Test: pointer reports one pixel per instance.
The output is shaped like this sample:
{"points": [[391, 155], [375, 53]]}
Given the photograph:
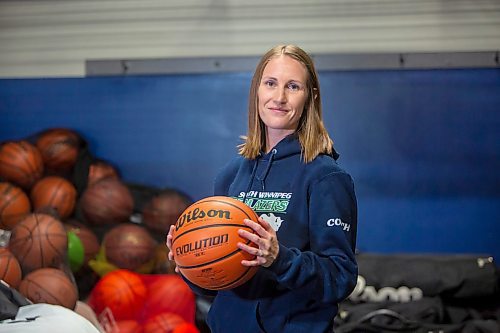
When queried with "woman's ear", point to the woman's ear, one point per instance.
{"points": [[315, 93]]}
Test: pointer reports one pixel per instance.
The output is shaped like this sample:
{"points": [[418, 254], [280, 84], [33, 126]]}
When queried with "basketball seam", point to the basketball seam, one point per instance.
{"points": [[15, 168], [8, 189], [28, 149], [229, 203], [213, 261]]}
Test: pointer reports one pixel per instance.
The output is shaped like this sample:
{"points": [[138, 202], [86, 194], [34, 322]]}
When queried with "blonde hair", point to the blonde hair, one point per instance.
{"points": [[311, 131]]}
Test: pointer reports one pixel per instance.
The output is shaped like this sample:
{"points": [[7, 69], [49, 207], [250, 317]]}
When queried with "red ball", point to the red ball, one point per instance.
{"points": [[169, 293], [39, 240], [186, 328], [164, 209], [10, 270], [14, 205], [56, 193], [125, 326], [106, 202], [205, 239], [122, 291], [164, 322], [20, 163], [129, 246], [49, 285], [59, 148]]}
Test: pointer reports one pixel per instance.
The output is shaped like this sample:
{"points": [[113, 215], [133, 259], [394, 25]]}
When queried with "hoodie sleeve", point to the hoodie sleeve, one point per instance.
{"points": [[328, 270]]}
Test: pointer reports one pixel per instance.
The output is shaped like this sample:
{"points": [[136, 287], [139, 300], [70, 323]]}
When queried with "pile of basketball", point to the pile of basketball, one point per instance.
{"points": [[35, 197], [58, 229]]}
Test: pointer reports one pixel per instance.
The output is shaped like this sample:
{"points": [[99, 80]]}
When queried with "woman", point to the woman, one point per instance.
{"points": [[306, 232]]}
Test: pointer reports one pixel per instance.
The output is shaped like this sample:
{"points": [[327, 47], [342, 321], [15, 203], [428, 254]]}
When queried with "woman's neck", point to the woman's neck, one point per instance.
{"points": [[274, 137]]}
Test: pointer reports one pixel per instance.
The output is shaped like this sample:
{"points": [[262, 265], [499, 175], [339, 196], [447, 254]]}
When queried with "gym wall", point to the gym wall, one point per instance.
{"points": [[423, 146]]}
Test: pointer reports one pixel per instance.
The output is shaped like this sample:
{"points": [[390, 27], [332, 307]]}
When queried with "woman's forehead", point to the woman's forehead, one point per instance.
{"points": [[285, 66]]}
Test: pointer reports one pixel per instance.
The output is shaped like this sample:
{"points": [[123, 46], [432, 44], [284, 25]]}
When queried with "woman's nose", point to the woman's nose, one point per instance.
{"points": [[280, 95]]}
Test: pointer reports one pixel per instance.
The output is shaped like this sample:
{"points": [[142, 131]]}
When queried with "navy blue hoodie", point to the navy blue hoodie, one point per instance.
{"points": [[313, 208]]}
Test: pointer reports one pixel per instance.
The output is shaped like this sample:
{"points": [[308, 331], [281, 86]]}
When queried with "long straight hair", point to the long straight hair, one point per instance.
{"points": [[312, 134]]}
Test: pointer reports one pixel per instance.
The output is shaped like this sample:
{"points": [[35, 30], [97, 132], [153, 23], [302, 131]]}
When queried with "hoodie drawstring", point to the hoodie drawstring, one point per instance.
{"points": [[254, 170], [262, 177]]}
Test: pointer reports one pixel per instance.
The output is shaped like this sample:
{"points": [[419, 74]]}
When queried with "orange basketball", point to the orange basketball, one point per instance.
{"points": [[10, 270], [106, 202], [14, 205], [37, 241], [56, 193], [59, 148], [205, 240], [164, 322], [129, 246], [49, 285], [20, 163], [122, 291]]}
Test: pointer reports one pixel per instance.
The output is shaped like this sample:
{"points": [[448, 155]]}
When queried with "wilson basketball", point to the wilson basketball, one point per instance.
{"points": [[10, 270], [14, 205], [20, 163], [205, 240], [169, 293], [164, 209], [37, 241], [162, 323], [49, 285], [90, 242], [106, 202], [59, 148], [129, 246], [122, 291], [56, 193], [99, 170]]}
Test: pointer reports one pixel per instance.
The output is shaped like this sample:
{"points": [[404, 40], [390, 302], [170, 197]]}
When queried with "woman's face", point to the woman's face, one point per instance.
{"points": [[282, 95]]}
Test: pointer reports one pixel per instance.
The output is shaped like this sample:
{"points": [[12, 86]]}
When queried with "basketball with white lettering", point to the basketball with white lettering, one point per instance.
{"points": [[205, 241]]}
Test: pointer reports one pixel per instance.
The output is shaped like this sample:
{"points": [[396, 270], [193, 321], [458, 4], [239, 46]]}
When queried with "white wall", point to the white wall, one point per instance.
{"points": [[48, 38]]}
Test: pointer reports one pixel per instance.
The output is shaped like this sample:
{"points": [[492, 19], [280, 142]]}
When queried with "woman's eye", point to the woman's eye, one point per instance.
{"points": [[270, 83], [293, 86]]}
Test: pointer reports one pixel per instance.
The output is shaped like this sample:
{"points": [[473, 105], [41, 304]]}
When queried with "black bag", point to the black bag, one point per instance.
{"points": [[423, 316], [449, 276]]}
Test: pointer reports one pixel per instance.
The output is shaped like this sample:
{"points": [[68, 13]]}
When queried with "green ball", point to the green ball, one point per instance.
{"points": [[76, 252]]}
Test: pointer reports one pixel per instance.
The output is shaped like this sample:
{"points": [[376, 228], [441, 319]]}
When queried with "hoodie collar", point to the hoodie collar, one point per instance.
{"points": [[288, 146]]}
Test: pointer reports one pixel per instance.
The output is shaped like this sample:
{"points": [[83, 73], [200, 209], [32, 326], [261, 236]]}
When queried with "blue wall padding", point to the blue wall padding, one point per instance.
{"points": [[422, 146]]}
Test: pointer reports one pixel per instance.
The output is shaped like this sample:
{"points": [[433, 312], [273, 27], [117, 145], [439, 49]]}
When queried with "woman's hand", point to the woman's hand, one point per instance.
{"points": [[169, 245], [266, 240]]}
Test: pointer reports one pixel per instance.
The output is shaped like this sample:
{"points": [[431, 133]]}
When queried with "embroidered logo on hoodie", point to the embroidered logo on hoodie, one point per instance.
{"points": [[274, 221]]}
